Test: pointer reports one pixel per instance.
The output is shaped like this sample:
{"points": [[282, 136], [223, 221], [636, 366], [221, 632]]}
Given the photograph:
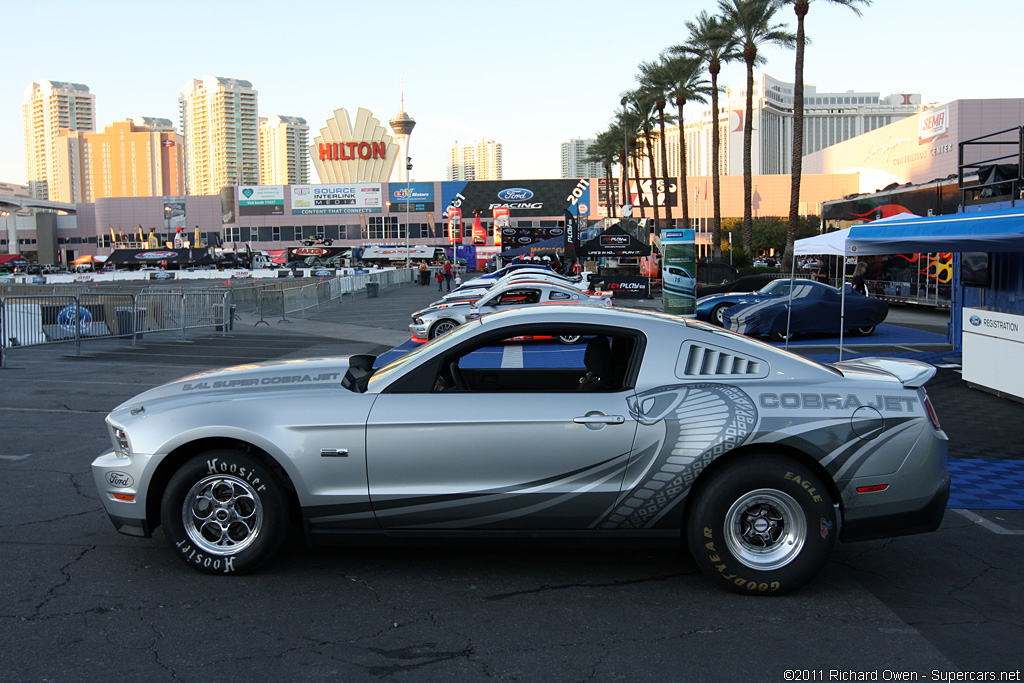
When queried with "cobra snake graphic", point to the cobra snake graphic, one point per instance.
{"points": [[700, 422]]}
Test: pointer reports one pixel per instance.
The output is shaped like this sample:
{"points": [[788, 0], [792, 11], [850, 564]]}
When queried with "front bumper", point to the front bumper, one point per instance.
{"points": [[122, 483], [419, 333]]}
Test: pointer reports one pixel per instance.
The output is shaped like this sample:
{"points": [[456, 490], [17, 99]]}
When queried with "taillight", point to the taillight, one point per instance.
{"points": [[933, 417]]}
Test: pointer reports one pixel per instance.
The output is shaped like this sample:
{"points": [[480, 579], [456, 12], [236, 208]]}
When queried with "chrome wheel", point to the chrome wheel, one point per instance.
{"points": [[717, 316], [443, 327], [222, 514], [765, 529]]}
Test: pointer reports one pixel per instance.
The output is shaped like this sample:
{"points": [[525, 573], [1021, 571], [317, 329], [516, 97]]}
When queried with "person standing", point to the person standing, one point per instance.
{"points": [[424, 273], [448, 275], [440, 279], [857, 282]]}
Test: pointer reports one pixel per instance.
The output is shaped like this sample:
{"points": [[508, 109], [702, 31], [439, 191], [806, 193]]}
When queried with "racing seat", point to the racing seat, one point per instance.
{"points": [[598, 361]]}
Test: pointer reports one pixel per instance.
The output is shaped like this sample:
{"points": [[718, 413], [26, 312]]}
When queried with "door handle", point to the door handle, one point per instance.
{"points": [[599, 419]]}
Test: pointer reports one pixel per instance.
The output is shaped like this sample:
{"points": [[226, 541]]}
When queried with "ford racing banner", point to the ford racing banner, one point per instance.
{"points": [[523, 198]]}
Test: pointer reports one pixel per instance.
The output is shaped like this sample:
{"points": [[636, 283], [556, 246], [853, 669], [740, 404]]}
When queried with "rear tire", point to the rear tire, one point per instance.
{"points": [[569, 338], [765, 525], [864, 331], [780, 336], [224, 512]]}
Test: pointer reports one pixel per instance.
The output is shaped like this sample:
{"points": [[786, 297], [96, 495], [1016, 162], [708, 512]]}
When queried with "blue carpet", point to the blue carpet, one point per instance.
{"points": [[884, 334], [986, 484]]}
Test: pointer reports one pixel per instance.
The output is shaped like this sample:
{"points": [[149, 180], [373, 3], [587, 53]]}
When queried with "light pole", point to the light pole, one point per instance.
{"points": [[167, 222], [408, 200]]}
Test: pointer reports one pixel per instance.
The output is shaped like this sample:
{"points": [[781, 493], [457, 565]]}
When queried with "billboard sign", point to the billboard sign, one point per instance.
{"points": [[411, 197], [261, 200], [523, 198], [337, 198]]}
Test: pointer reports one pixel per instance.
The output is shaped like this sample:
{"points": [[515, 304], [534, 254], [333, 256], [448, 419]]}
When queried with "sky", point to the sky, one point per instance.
{"points": [[529, 74]]}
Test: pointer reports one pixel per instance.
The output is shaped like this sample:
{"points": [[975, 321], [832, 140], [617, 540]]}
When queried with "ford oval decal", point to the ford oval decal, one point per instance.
{"points": [[975, 320], [515, 194], [120, 479]]}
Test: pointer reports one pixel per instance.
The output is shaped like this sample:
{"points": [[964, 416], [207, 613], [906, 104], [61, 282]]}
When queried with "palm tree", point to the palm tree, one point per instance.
{"points": [[659, 80], [710, 42], [607, 146], [641, 103], [752, 23], [627, 123], [687, 86], [800, 8]]}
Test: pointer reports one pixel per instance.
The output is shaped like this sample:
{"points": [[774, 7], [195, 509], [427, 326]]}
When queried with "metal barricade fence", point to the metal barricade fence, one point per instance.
{"points": [[35, 320]]}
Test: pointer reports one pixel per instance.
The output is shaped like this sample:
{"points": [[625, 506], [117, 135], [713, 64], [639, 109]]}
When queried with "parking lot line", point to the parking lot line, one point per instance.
{"points": [[989, 524]]}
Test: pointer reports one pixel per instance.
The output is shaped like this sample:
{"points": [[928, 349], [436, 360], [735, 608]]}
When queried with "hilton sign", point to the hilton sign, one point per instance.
{"points": [[360, 153]]}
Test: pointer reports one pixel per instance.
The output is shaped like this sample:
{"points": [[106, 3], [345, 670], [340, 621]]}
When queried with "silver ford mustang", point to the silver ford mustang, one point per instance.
{"points": [[656, 428]]}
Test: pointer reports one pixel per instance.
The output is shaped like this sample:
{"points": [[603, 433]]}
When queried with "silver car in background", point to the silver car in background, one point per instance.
{"points": [[659, 429], [443, 317]]}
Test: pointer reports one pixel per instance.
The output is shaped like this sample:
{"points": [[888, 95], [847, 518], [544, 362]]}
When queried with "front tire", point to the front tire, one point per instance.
{"points": [[864, 331], [780, 336], [442, 327], [716, 314], [224, 512], [765, 525]]}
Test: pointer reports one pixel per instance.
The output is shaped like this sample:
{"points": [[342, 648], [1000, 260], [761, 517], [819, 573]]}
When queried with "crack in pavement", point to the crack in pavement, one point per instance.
{"points": [[569, 586], [67, 579]]}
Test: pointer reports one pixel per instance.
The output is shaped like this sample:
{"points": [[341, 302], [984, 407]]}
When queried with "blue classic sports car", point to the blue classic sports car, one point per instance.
{"points": [[816, 309], [711, 307]]}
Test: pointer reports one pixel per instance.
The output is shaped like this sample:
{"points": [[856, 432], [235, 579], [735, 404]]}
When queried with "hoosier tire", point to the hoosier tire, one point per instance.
{"points": [[763, 526], [224, 513]]}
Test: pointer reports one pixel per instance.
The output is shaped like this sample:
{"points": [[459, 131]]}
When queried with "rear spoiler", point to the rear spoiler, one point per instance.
{"points": [[911, 373]]}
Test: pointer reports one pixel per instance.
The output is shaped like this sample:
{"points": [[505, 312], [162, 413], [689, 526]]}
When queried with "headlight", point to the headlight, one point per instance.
{"points": [[418, 321], [121, 444]]}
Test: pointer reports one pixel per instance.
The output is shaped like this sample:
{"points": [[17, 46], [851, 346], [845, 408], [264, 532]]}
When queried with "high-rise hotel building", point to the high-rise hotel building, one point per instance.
{"points": [[574, 160], [139, 157], [284, 159], [829, 118], [478, 161], [54, 115], [219, 121]]}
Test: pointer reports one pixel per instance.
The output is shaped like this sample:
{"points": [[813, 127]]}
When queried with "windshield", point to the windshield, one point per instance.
{"points": [[398, 364]]}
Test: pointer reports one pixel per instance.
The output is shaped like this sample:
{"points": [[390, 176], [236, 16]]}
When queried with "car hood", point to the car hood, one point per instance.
{"points": [[250, 379], [728, 295]]}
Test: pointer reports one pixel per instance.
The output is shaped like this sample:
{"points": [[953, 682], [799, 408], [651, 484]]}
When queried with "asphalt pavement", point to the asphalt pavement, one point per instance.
{"points": [[83, 603]]}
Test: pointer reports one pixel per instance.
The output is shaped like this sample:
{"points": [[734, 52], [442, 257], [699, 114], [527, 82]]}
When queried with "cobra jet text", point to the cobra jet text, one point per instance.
{"points": [[892, 404]]}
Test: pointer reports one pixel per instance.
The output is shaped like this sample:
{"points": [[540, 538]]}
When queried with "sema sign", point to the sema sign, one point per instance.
{"points": [[932, 124]]}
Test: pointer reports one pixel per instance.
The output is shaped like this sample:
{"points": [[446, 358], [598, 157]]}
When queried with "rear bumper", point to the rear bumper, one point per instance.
{"points": [[926, 518]]}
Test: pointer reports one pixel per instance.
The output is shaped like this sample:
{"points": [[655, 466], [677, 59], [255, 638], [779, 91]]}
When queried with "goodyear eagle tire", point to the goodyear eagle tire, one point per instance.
{"points": [[224, 513], [763, 526]]}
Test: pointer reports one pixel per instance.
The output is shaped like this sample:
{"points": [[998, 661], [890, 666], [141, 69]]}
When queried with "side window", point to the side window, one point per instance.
{"points": [[543, 360], [518, 297], [562, 296]]}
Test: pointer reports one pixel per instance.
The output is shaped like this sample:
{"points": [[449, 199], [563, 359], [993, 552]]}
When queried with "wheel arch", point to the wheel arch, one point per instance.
{"points": [[186, 451], [751, 450]]}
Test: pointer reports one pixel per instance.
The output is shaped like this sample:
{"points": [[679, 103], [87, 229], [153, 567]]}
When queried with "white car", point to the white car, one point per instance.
{"points": [[438, 320]]}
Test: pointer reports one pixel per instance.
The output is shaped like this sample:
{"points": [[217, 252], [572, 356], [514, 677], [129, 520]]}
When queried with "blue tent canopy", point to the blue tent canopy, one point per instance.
{"points": [[994, 230]]}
